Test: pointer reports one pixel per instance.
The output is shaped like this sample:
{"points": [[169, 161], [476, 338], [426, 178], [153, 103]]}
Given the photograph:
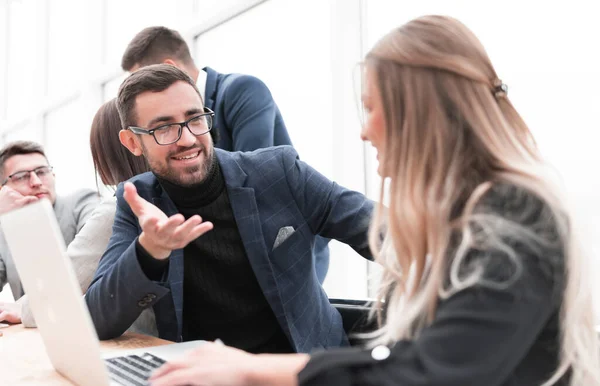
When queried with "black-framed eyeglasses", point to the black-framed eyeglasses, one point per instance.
{"points": [[171, 133], [24, 176]]}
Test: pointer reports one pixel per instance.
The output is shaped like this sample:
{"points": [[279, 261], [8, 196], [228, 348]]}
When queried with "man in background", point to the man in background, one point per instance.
{"points": [[246, 116], [25, 177]]}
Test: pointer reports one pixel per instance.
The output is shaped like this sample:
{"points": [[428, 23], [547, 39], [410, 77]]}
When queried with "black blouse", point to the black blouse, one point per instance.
{"points": [[506, 334]]}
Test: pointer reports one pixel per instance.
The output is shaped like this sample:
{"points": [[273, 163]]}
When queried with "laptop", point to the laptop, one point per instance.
{"points": [[39, 252]]}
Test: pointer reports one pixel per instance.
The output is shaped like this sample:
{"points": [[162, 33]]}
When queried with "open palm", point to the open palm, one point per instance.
{"points": [[162, 234]]}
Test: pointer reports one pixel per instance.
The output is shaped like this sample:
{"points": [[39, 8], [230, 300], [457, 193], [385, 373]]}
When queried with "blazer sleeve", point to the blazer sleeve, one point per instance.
{"points": [[250, 112], [330, 210], [479, 335], [120, 290]]}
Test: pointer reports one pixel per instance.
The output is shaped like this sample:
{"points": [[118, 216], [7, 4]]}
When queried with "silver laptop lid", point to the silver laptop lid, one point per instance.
{"points": [[38, 250]]}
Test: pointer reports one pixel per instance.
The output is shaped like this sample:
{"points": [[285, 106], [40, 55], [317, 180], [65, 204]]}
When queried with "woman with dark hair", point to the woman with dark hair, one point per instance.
{"points": [[484, 282], [112, 161], [113, 164]]}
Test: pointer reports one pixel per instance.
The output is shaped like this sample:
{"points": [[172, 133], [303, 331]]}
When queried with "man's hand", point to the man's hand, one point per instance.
{"points": [[10, 312], [11, 199], [162, 234]]}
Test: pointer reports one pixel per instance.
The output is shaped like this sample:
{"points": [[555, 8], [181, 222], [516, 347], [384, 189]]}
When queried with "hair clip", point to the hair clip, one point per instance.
{"points": [[500, 89]]}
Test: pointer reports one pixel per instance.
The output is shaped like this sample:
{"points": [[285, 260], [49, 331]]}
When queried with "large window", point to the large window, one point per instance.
{"points": [[126, 18], [67, 146], [23, 58], [28, 129], [296, 67], [4, 41], [55, 70], [111, 87]]}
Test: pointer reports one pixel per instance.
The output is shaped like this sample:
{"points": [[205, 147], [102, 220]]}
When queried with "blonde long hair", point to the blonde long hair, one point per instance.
{"points": [[451, 135]]}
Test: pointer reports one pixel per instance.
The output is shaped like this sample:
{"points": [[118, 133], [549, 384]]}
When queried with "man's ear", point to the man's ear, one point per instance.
{"points": [[131, 142], [171, 62]]}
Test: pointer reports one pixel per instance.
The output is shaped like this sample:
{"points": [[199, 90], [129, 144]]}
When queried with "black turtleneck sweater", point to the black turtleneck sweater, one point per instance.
{"points": [[222, 297]]}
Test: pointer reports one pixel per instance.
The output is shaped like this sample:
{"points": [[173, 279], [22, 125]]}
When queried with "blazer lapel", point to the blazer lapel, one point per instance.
{"points": [[245, 211], [211, 87], [175, 278]]}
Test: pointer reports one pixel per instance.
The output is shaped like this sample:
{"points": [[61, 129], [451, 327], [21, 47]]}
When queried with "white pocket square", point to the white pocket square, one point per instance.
{"points": [[282, 235]]}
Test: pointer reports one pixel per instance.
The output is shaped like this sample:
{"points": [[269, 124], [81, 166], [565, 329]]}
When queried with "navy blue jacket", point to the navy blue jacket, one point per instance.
{"points": [[268, 189], [247, 119], [246, 116]]}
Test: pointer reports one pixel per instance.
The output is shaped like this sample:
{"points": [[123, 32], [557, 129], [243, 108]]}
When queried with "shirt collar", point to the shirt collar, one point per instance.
{"points": [[201, 84]]}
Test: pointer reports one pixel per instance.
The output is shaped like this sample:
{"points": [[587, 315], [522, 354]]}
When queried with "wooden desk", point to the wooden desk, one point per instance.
{"points": [[23, 359]]}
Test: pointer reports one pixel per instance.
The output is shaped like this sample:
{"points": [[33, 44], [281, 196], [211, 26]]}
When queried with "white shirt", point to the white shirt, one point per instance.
{"points": [[201, 83]]}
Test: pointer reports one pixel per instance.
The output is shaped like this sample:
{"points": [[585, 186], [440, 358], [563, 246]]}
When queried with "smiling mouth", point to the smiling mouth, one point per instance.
{"points": [[187, 157]]}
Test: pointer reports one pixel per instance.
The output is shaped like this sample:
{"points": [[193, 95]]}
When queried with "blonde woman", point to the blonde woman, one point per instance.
{"points": [[483, 281]]}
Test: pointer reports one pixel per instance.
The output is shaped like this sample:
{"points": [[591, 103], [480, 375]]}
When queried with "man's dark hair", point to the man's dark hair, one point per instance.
{"points": [[112, 161], [153, 45], [154, 78], [18, 148]]}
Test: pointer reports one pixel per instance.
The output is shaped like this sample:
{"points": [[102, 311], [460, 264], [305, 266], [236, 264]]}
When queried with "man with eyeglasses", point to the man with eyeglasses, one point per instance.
{"points": [[246, 117], [218, 243], [25, 177]]}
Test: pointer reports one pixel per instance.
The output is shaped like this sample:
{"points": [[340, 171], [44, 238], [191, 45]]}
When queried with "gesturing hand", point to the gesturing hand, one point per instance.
{"points": [[11, 199], [162, 234]]}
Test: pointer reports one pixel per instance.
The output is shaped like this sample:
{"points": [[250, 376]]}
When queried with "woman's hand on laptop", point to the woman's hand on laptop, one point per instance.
{"points": [[213, 364], [10, 312], [161, 234], [209, 364]]}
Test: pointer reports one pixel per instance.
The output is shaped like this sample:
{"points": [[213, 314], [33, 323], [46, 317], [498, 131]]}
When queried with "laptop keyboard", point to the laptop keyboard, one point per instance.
{"points": [[133, 370]]}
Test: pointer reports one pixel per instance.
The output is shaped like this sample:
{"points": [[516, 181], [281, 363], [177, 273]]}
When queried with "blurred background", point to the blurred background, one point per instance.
{"points": [[60, 59]]}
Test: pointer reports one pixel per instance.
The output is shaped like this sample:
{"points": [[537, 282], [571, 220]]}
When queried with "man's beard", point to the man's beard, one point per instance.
{"points": [[189, 176]]}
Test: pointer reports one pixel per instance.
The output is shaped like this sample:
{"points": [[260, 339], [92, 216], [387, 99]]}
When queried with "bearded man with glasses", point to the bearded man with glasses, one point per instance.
{"points": [[218, 244], [25, 177]]}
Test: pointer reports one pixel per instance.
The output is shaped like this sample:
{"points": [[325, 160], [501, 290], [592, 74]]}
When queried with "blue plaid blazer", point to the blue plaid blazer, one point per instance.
{"points": [[269, 189]]}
